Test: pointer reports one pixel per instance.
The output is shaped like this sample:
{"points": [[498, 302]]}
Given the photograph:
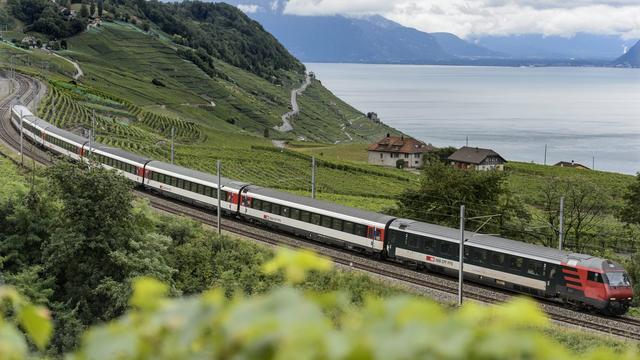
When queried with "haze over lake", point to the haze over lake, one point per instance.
{"points": [[579, 113]]}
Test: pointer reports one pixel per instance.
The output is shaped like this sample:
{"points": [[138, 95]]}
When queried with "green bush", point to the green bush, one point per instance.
{"points": [[287, 323]]}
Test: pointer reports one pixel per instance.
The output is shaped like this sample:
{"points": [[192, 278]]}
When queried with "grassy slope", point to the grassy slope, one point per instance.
{"points": [[120, 58], [34, 60]]}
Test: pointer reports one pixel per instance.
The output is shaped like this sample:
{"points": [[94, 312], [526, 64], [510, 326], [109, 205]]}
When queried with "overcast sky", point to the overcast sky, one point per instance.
{"points": [[469, 18]]}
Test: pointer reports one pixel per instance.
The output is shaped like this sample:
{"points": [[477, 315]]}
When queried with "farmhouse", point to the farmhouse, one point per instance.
{"points": [[571, 164], [477, 159], [398, 151]]}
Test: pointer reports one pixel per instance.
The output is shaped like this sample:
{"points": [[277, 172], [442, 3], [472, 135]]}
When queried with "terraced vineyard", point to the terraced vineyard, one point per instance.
{"points": [[122, 124]]}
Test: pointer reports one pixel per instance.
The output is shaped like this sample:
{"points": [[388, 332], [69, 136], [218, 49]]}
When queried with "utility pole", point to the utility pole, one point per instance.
{"points": [[21, 149], [313, 177], [561, 226], [545, 154], [219, 201], [467, 142], [91, 134], [593, 163], [461, 256], [173, 133]]}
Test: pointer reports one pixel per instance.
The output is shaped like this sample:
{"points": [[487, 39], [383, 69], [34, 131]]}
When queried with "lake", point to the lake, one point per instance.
{"points": [[581, 114]]}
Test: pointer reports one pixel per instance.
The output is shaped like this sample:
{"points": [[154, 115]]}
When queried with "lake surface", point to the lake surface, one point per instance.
{"points": [[579, 113]]}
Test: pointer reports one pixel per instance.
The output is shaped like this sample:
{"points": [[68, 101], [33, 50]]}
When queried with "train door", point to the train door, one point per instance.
{"points": [[373, 234]]}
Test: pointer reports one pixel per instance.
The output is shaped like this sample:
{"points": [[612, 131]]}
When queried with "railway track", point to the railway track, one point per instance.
{"points": [[25, 93], [624, 327]]}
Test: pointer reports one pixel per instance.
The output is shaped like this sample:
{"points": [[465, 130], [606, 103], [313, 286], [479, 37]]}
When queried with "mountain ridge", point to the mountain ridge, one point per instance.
{"points": [[631, 58]]}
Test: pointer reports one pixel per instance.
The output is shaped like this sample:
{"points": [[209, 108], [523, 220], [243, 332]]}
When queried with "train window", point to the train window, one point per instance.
{"points": [[174, 181], [361, 230], [208, 191], [295, 214], [275, 209], [594, 276], [336, 224], [535, 268], [305, 216], [412, 241], [516, 263], [285, 211], [446, 248], [266, 206], [429, 243], [326, 221], [257, 204], [180, 184], [498, 259], [479, 256], [315, 219], [348, 227]]}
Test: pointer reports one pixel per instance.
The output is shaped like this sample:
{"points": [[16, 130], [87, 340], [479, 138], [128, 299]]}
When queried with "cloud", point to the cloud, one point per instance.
{"points": [[470, 18], [248, 8]]}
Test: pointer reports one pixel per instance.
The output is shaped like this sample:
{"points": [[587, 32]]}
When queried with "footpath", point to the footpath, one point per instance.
{"points": [[295, 109]]}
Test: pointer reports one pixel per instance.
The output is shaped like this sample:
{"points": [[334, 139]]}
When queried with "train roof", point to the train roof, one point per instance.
{"points": [[67, 135], [321, 205], [489, 241], [194, 174], [25, 110], [122, 154]]}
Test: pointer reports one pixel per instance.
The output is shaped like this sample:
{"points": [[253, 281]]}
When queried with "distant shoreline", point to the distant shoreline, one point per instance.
{"points": [[490, 63]]}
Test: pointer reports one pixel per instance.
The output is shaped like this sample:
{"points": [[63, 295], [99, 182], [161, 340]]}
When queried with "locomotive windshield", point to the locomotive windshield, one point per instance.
{"points": [[618, 279]]}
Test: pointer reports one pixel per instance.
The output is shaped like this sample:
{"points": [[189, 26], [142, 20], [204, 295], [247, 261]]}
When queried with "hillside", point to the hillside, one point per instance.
{"points": [[631, 58], [121, 59]]}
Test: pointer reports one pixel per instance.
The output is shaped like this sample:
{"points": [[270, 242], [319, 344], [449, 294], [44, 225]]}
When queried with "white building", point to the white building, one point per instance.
{"points": [[398, 151]]}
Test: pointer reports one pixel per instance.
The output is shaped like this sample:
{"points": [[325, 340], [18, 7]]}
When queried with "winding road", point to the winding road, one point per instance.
{"points": [[79, 72], [295, 109]]}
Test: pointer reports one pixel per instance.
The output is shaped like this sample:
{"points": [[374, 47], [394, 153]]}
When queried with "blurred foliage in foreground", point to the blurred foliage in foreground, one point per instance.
{"points": [[289, 323]]}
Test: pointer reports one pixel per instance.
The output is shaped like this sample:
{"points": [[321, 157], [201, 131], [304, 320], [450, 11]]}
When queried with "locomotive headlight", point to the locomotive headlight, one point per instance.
{"points": [[612, 298]]}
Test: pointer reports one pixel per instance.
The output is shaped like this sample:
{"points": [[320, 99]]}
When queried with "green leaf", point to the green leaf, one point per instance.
{"points": [[296, 264], [12, 344], [36, 321], [147, 293]]}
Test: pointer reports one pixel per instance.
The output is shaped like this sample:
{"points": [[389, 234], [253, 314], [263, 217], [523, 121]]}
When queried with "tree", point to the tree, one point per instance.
{"points": [[265, 133], [84, 11], [584, 205], [100, 7], [630, 212], [99, 246], [92, 9], [443, 189]]}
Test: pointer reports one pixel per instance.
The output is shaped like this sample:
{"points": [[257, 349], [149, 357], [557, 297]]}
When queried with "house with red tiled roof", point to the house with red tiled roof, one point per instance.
{"points": [[399, 151]]}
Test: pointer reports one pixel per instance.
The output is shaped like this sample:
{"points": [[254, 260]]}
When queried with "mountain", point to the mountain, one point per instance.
{"points": [[537, 46], [463, 49], [343, 39], [631, 58], [366, 39]]}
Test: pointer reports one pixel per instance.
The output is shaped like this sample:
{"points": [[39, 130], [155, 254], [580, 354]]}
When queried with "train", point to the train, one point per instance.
{"points": [[577, 280]]}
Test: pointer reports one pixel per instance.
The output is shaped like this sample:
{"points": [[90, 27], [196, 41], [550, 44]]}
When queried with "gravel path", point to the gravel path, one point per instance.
{"points": [[295, 109], [79, 72]]}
